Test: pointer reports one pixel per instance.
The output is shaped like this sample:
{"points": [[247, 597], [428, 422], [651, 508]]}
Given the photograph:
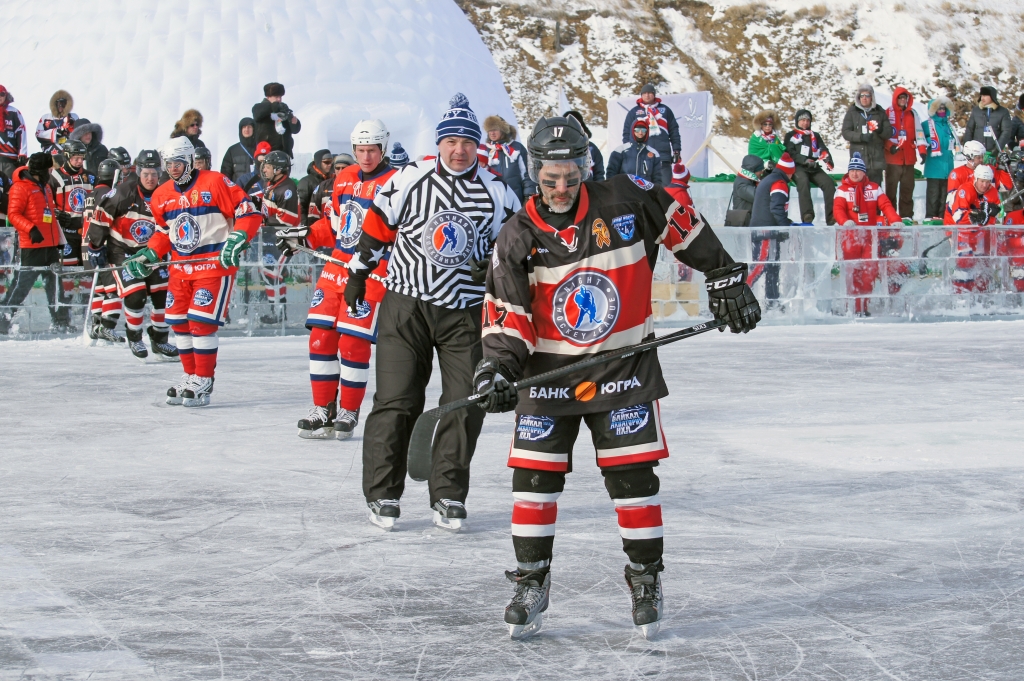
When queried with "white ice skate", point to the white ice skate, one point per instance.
{"points": [[197, 393], [319, 425], [449, 515], [384, 513], [648, 599], [524, 614], [174, 394], [345, 424]]}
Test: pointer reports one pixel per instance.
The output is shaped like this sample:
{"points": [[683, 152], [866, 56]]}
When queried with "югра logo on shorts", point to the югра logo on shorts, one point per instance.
{"points": [[629, 420], [141, 231], [202, 298], [363, 311], [448, 239], [318, 297], [585, 306], [76, 200], [351, 225], [532, 428], [185, 233]]}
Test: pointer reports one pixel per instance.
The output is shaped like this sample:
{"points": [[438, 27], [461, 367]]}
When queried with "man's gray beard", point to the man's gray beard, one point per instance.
{"points": [[566, 209]]}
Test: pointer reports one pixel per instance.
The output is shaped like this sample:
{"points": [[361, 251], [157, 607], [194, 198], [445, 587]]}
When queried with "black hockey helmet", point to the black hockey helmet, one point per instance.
{"points": [[121, 155], [108, 171], [558, 138], [279, 161], [148, 158], [74, 148], [203, 152]]}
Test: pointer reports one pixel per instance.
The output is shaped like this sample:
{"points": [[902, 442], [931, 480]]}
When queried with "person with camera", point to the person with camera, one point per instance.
{"points": [[275, 121], [55, 127]]}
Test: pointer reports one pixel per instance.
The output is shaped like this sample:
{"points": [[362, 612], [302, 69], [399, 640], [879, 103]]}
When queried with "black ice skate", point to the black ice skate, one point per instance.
{"points": [[345, 424], [94, 326], [449, 514], [524, 614], [197, 394], [162, 350], [319, 425], [384, 513], [136, 345], [109, 335], [175, 394], [645, 590]]}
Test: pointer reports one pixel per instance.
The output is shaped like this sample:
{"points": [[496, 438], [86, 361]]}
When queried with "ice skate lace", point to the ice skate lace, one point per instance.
{"points": [[387, 502], [186, 379], [529, 589], [200, 384], [644, 588], [318, 414], [448, 503], [349, 417]]}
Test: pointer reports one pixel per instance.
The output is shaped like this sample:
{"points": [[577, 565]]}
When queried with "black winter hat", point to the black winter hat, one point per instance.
{"points": [[990, 91], [318, 157], [273, 90], [39, 164], [803, 113], [754, 164]]}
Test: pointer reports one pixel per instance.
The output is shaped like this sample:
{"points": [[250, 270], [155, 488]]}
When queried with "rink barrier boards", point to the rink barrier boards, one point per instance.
{"points": [[815, 283]]}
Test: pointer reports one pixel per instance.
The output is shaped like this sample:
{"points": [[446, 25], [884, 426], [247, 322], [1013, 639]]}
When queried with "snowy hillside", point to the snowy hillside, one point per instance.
{"points": [[146, 63], [782, 54]]}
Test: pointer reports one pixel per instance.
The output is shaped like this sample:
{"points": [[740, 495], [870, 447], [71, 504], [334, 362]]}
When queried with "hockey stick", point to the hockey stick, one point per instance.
{"points": [[326, 258], [421, 442], [923, 267], [86, 340]]}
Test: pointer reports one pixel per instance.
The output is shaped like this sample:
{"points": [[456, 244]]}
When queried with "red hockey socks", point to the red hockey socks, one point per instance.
{"points": [[354, 370], [204, 343], [324, 372]]}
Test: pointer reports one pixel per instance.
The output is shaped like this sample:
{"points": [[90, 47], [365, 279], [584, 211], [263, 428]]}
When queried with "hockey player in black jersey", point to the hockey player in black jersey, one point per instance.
{"points": [[105, 303], [280, 206], [570, 277]]}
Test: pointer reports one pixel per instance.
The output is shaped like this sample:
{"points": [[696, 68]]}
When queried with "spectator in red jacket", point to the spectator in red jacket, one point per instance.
{"points": [[903, 148], [975, 206], [33, 213], [859, 205]]}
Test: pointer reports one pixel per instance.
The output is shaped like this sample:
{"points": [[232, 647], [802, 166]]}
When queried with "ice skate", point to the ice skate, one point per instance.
{"points": [[384, 513], [645, 590], [197, 393], [345, 424], [109, 336], [319, 425], [136, 345], [174, 394], [162, 350], [524, 614], [94, 326], [449, 514]]}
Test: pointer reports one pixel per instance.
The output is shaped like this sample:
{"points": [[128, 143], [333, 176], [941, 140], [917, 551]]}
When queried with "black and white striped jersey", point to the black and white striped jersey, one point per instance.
{"points": [[438, 222]]}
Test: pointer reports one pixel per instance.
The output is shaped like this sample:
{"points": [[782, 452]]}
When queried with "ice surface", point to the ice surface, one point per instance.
{"points": [[842, 502], [135, 67]]}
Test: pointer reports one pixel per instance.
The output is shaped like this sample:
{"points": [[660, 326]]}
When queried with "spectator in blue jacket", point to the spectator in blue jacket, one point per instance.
{"points": [[596, 158], [938, 160], [506, 157], [663, 130], [637, 158]]}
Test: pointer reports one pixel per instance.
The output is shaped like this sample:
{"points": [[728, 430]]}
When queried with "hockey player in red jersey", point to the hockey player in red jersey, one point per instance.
{"points": [[198, 214], [570, 277], [975, 206], [334, 329]]}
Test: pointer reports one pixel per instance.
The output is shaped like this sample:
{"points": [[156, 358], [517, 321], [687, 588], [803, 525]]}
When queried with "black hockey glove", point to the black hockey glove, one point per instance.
{"points": [[64, 220], [478, 270], [35, 236], [490, 380], [730, 299], [290, 237], [98, 256], [355, 291]]}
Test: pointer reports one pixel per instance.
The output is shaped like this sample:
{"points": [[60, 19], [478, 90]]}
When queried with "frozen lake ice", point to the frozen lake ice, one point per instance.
{"points": [[842, 502]]}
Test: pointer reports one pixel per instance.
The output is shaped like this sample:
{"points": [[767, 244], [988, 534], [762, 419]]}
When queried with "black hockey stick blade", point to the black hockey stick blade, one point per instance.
{"points": [[421, 442]]}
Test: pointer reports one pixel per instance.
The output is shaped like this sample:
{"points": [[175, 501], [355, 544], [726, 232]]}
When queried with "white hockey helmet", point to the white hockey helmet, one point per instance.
{"points": [[179, 149], [974, 149], [371, 131], [984, 172]]}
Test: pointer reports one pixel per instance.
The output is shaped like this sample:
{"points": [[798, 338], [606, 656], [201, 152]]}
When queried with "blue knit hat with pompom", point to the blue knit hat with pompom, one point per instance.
{"points": [[399, 157], [459, 121]]}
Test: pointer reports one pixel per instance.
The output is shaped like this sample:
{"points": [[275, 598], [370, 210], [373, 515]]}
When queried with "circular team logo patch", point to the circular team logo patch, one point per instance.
{"points": [[202, 297], [351, 225], [363, 311], [170, 300], [186, 233], [67, 250], [585, 307], [76, 200], [318, 297], [448, 239], [141, 231]]}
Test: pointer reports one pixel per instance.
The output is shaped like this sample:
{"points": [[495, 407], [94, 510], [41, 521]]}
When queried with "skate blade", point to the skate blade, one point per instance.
{"points": [[521, 631], [453, 524], [164, 358], [318, 434], [141, 359], [649, 631], [343, 434], [386, 524], [201, 401], [174, 401]]}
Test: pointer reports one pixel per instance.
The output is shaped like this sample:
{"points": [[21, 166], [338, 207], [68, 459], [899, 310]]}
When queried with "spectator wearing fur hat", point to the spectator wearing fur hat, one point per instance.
{"points": [[506, 157], [596, 158], [941, 145], [190, 125], [275, 121], [91, 135], [989, 123], [55, 127], [662, 131], [766, 143], [866, 127], [807, 149]]}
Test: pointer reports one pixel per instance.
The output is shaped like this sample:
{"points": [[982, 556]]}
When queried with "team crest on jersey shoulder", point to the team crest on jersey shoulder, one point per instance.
{"points": [[207, 197], [76, 200], [363, 311], [585, 306], [448, 239], [641, 182], [141, 231], [202, 297], [318, 298], [287, 194], [625, 225], [110, 194], [533, 428], [351, 225], [227, 181], [629, 420], [186, 233]]}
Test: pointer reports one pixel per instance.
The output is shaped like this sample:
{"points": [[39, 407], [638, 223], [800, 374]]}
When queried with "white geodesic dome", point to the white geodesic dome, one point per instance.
{"points": [[135, 66]]}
